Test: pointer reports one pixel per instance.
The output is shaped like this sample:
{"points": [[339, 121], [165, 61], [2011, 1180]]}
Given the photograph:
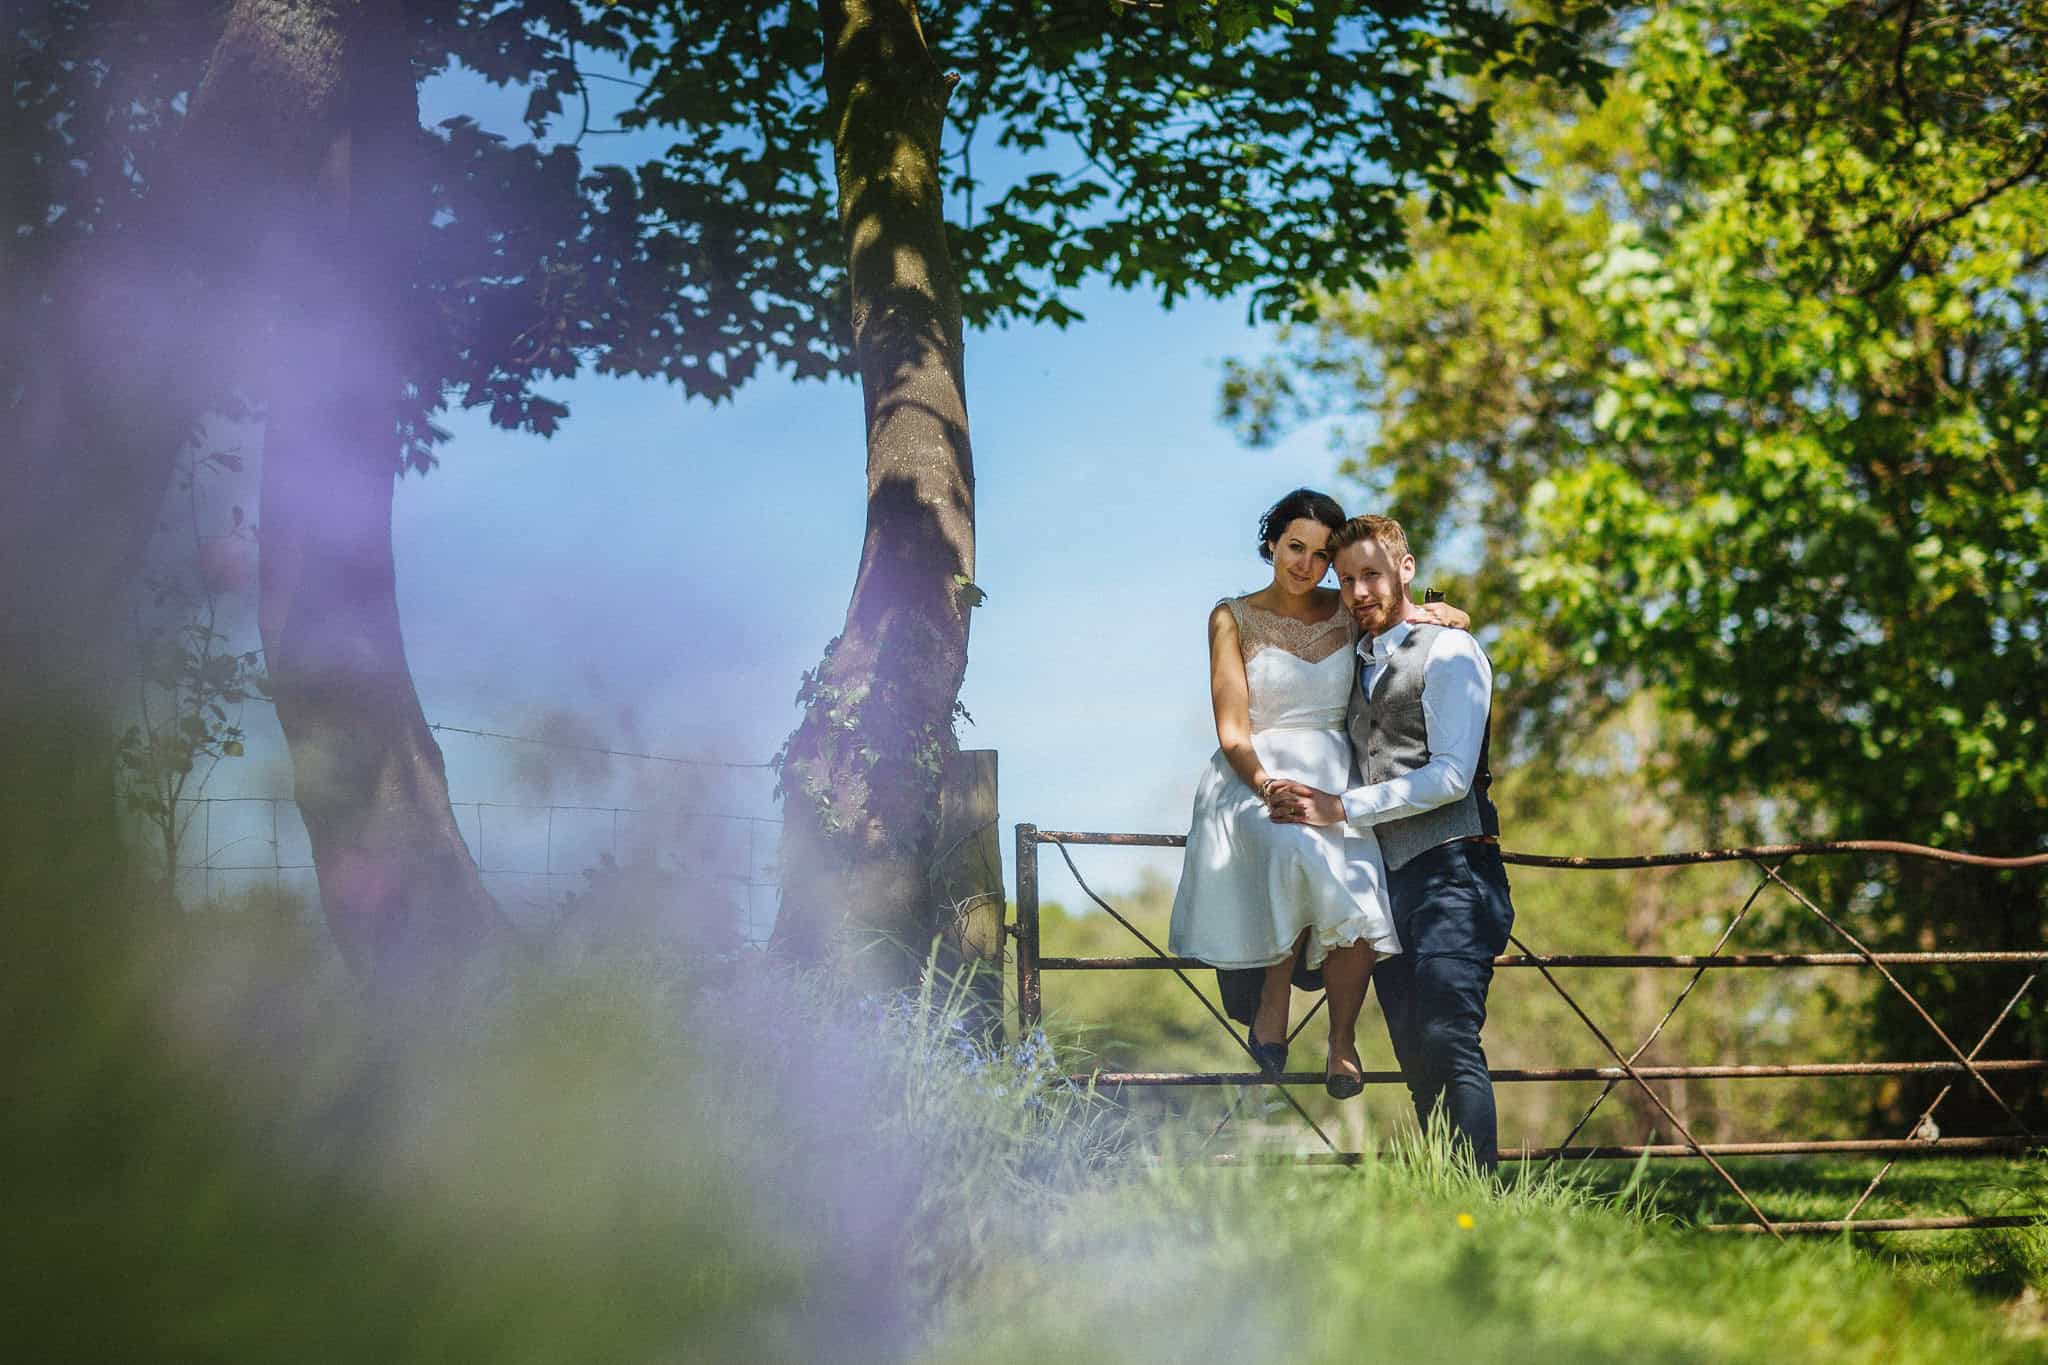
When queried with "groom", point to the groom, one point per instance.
{"points": [[1418, 722]]}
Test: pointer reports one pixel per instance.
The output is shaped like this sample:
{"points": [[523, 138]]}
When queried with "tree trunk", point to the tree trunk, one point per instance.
{"points": [[860, 775], [397, 883], [328, 99]]}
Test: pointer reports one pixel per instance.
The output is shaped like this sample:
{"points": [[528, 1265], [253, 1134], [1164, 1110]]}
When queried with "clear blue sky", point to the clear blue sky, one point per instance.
{"points": [[659, 574]]}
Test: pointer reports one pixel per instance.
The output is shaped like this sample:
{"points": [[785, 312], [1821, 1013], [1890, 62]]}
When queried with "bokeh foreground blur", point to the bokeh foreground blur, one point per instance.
{"points": [[231, 1154]]}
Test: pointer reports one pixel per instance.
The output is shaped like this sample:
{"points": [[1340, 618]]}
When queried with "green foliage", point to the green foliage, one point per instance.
{"points": [[1206, 146], [187, 676], [867, 756], [532, 266], [1742, 404]]}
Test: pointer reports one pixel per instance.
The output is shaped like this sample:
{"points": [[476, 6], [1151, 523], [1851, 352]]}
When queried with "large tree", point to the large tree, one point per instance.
{"points": [[232, 208], [826, 157], [315, 140], [1748, 402], [799, 219]]}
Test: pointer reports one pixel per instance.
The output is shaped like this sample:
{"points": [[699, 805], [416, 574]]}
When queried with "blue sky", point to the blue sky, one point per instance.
{"points": [[659, 574]]}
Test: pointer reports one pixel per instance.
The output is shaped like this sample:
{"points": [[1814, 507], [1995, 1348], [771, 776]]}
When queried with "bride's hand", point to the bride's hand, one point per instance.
{"points": [[1439, 614], [1278, 790], [1301, 804]]}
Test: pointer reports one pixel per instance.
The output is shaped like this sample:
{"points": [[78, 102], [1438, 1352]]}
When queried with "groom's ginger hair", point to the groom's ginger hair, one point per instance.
{"points": [[1385, 530]]}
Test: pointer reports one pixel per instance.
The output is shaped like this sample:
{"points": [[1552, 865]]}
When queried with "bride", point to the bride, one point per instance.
{"points": [[1262, 901]]}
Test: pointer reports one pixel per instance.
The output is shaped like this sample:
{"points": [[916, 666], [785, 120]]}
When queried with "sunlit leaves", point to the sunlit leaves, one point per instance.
{"points": [[1191, 147], [1746, 403]]}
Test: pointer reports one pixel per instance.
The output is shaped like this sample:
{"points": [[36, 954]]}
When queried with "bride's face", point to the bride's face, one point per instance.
{"points": [[1299, 560]]}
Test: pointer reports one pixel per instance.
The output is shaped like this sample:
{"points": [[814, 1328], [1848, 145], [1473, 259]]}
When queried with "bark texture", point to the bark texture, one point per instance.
{"points": [[318, 105], [861, 773]]}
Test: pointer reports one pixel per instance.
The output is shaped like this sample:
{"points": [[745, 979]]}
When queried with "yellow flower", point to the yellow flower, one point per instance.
{"points": [[1465, 1221]]}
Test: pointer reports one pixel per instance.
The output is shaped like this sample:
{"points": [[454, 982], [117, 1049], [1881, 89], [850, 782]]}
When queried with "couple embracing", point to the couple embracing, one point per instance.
{"points": [[1342, 832]]}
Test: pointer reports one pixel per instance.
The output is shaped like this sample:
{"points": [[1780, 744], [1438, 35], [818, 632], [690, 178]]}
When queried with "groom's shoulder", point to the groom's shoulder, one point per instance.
{"points": [[1454, 648]]}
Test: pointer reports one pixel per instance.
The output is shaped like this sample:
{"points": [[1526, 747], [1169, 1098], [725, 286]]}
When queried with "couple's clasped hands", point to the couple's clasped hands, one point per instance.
{"points": [[1296, 803]]}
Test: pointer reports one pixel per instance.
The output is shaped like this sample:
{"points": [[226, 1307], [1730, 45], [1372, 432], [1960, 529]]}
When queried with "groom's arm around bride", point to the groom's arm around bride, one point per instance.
{"points": [[1419, 727]]}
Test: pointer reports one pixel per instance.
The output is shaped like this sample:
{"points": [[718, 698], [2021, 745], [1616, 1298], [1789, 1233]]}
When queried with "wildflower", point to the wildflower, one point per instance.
{"points": [[1465, 1221]]}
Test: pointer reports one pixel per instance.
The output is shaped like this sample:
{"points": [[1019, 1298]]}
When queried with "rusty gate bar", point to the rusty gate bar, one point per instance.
{"points": [[1031, 965], [1150, 964], [1628, 1151], [1996, 1220], [1728, 1072], [1927, 1114], [1026, 928], [1704, 855]]}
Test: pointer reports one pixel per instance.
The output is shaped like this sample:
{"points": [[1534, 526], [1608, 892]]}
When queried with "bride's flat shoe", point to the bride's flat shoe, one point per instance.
{"points": [[1340, 1087], [1271, 1057]]}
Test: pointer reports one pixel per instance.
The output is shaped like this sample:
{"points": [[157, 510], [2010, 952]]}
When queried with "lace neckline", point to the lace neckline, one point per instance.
{"points": [[1263, 628], [1324, 624]]}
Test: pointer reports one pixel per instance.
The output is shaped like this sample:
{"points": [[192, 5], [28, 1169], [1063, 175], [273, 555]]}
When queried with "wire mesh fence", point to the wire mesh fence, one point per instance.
{"points": [[533, 856]]}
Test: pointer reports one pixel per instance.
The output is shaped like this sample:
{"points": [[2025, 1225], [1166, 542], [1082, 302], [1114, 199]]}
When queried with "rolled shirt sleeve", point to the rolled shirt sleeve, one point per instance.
{"points": [[1457, 694]]}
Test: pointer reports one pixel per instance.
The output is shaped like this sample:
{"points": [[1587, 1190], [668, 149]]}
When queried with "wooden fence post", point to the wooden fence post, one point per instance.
{"points": [[969, 881]]}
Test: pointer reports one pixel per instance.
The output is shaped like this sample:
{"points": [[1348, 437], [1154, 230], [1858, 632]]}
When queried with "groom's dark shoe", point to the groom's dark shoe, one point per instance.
{"points": [[1271, 1057]]}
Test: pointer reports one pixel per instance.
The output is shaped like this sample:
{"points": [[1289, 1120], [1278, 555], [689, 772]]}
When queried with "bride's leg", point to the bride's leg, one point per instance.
{"points": [[1276, 993], [1345, 974]]}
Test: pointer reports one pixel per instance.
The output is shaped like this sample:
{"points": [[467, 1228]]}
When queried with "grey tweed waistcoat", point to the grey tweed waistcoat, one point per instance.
{"points": [[1390, 736]]}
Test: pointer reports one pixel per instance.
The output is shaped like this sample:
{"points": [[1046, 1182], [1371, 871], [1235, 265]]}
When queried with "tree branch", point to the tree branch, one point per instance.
{"points": [[1914, 233], [1905, 96]]}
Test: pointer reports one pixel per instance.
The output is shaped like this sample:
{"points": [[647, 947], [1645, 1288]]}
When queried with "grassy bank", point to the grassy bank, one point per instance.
{"points": [[1399, 1261], [220, 1151]]}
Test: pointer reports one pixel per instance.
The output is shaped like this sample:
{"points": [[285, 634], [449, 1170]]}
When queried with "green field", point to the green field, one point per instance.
{"points": [[1394, 1263], [222, 1154]]}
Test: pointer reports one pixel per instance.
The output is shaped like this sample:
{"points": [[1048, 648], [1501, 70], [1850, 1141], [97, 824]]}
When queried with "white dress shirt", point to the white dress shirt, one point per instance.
{"points": [[1457, 694]]}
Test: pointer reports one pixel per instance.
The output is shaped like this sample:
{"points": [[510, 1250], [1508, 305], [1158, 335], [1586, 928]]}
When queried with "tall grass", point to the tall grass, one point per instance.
{"points": [[223, 1152], [1409, 1257]]}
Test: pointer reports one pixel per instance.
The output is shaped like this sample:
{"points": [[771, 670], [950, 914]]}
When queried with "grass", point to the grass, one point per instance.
{"points": [[1403, 1259], [1999, 1264], [222, 1152]]}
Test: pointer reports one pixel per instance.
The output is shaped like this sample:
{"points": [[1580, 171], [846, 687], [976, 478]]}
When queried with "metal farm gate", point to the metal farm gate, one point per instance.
{"points": [[1962, 1065]]}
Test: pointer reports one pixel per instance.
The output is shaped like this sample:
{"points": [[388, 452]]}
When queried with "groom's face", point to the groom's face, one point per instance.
{"points": [[1374, 585]]}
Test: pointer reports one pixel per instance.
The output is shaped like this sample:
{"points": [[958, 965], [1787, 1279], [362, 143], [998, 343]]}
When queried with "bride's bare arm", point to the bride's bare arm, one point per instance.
{"points": [[1442, 614], [1230, 695]]}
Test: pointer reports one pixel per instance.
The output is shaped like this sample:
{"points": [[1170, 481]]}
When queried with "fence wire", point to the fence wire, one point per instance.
{"points": [[532, 855]]}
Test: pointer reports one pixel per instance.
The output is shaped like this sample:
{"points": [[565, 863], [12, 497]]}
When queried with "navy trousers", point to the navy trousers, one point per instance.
{"points": [[1453, 913]]}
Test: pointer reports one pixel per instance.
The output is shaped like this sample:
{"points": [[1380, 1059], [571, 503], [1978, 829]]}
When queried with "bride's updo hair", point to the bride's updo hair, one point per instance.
{"points": [[1303, 504]]}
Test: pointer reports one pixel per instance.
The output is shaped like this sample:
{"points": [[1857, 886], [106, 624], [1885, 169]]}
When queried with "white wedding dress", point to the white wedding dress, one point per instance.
{"points": [[1248, 886]]}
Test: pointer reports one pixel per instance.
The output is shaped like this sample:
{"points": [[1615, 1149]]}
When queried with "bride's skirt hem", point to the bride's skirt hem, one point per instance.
{"points": [[1321, 943], [1360, 929]]}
